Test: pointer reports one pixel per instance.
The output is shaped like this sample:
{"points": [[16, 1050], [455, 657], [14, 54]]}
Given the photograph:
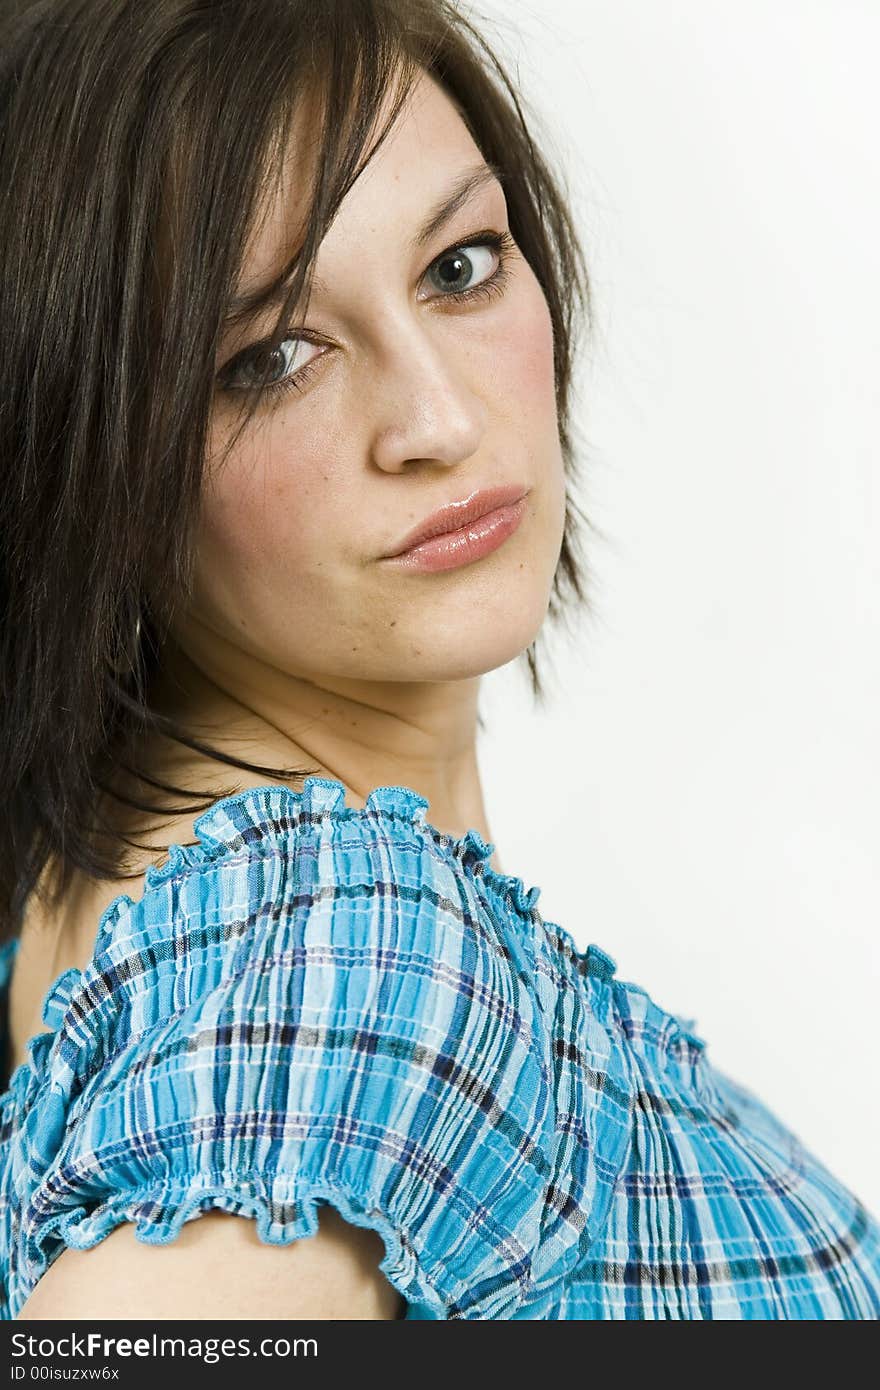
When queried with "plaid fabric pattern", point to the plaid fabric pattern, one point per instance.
{"points": [[319, 1004]]}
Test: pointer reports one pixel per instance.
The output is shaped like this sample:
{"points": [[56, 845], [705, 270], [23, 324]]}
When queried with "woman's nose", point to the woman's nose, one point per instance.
{"points": [[427, 406]]}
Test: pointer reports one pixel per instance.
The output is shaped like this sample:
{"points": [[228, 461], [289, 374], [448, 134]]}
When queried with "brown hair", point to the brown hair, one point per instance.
{"points": [[137, 139]]}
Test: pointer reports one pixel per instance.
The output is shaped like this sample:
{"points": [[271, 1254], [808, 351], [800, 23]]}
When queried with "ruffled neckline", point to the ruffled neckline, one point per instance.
{"points": [[253, 814]]}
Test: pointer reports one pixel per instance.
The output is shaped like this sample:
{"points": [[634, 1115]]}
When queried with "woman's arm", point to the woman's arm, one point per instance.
{"points": [[218, 1268]]}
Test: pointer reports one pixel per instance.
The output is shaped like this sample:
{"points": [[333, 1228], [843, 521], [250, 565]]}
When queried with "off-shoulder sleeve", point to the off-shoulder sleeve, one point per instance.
{"points": [[316, 1004]]}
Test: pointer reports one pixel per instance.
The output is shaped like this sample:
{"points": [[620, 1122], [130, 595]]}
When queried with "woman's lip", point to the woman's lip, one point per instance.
{"points": [[456, 515], [462, 547]]}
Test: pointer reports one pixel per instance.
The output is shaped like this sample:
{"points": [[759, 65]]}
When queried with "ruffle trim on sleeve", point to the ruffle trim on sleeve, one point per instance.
{"points": [[284, 1209]]}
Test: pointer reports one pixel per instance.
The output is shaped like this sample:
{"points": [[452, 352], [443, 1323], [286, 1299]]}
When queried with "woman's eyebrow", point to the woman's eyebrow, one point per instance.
{"points": [[246, 306], [463, 188]]}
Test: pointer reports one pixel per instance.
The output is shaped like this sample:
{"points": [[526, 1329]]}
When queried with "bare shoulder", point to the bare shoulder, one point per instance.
{"points": [[217, 1267]]}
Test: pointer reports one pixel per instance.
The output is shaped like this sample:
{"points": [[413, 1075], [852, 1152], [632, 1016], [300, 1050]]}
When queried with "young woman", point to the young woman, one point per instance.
{"points": [[289, 299]]}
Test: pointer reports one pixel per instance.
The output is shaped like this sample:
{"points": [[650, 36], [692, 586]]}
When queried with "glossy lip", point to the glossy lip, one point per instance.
{"points": [[467, 543], [457, 515]]}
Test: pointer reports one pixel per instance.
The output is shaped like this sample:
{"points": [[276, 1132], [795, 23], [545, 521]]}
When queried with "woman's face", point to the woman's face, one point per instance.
{"points": [[406, 398]]}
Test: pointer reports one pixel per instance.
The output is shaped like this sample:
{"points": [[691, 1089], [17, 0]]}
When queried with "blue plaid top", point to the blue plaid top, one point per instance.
{"points": [[320, 1004]]}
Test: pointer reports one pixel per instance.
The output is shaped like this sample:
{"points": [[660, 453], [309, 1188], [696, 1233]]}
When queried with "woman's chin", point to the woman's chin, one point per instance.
{"points": [[463, 659]]}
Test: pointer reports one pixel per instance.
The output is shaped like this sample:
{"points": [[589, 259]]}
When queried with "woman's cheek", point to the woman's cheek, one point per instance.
{"points": [[528, 363], [255, 498]]}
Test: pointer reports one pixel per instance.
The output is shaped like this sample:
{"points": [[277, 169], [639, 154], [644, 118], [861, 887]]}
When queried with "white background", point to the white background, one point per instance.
{"points": [[700, 797]]}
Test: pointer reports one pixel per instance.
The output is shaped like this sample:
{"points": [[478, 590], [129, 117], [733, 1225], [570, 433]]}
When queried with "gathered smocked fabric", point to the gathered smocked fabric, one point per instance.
{"points": [[319, 1004]]}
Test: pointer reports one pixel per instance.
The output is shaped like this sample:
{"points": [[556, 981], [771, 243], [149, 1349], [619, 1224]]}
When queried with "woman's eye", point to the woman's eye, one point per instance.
{"points": [[458, 270], [286, 361]]}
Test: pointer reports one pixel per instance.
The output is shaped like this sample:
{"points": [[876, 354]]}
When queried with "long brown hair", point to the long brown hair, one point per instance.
{"points": [[137, 139]]}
